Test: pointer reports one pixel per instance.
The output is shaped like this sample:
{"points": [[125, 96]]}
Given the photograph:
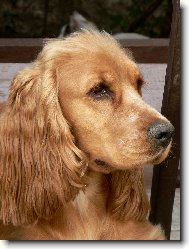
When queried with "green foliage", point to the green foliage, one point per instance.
{"points": [[13, 2], [19, 18], [119, 21]]}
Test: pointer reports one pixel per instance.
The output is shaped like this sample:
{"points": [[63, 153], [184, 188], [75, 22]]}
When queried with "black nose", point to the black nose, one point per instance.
{"points": [[161, 133]]}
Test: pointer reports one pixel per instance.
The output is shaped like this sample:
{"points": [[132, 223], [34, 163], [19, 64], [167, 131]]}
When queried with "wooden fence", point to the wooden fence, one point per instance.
{"points": [[26, 50]]}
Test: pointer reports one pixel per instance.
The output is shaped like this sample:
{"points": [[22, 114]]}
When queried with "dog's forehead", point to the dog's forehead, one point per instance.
{"points": [[95, 59], [86, 71], [114, 66]]}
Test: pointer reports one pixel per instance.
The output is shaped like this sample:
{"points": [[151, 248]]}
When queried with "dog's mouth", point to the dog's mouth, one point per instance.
{"points": [[100, 162], [161, 156], [105, 167], [102, 166]]}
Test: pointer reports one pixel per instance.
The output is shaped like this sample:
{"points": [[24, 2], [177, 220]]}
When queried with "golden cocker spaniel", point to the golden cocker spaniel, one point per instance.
{"points": [[75, 135]]}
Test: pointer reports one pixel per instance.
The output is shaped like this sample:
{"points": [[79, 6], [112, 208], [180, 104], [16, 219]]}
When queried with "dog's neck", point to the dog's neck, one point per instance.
{"points": [[94, 194], [87, 208]]}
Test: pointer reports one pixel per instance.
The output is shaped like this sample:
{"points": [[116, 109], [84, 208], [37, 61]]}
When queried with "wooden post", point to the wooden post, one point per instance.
{"points": [[165, 174]]}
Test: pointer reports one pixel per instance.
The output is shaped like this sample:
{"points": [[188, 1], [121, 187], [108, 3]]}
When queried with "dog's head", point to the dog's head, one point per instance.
{"points": [[100, 95], [78, 105]]}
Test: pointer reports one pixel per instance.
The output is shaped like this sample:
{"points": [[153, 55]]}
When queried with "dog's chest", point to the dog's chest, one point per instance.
{"points": [[82, 218], [92, 198], [89, 211]]}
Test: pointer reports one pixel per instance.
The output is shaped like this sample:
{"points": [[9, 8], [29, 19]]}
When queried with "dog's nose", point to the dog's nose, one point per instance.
{"points": [[161, 133]]}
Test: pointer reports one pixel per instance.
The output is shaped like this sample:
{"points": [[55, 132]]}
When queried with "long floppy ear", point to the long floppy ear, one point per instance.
{"points": [[39, 162], [128, 199]]}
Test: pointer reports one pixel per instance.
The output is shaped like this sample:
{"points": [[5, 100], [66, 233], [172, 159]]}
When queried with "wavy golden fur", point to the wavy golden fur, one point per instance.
{"points": [[70, 164]]}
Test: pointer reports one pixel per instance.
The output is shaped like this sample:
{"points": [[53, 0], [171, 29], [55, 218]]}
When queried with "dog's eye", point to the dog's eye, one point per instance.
{"points": [[101, 91]]}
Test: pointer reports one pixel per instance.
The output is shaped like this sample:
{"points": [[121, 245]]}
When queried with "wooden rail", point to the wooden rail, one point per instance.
{"points": [[25, 50]]}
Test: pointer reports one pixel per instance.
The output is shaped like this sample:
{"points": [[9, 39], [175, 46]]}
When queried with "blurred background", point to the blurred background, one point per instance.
{"points": [[45, 18]]}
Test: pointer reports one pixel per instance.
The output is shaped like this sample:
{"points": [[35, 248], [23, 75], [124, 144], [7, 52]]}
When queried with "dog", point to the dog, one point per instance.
{"points": [[75, 135]]}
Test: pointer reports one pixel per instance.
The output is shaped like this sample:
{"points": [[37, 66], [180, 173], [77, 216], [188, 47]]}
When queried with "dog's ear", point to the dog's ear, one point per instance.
{"points": [[128, 199], [40, 166]]}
